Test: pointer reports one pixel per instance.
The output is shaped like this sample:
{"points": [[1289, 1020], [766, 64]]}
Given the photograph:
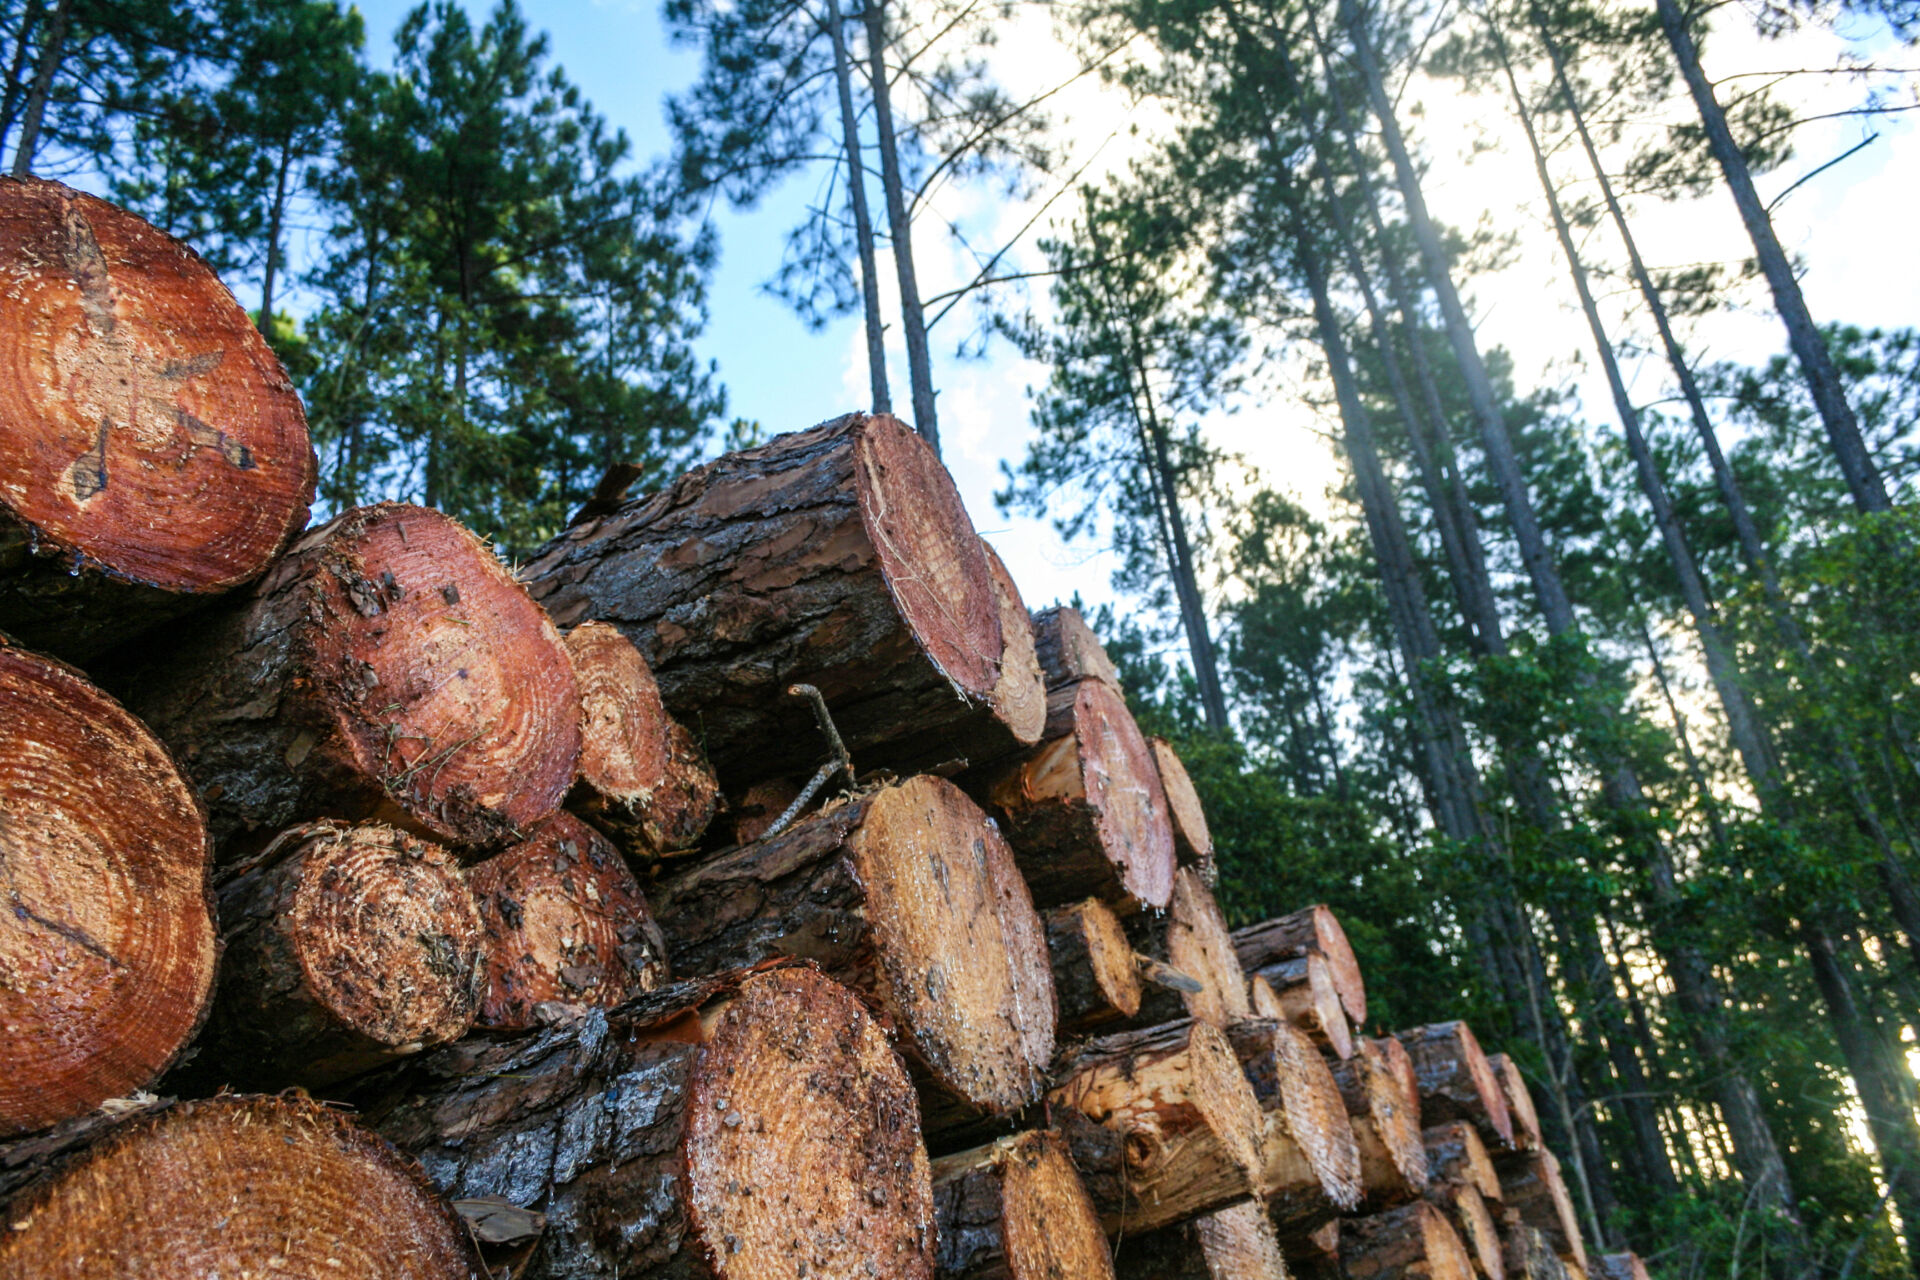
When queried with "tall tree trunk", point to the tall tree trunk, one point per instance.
{"points": [[17, 69], [1757, 1154], [276, 215], [1816, 363], [50, 56], [900, 224], [862, 219]]}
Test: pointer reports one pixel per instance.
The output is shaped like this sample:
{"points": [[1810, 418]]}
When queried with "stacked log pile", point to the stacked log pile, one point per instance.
{"points": [[749, 887]]}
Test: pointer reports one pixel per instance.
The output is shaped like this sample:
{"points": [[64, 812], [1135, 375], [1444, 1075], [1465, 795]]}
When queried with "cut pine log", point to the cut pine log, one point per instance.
{"points": [[387, 668], [1456, 1081], [1301, 991], [1020, 694], [1316, 1255], [731, 1128], [108, 951], [1310, 1167], [840, 557], [752, 812], [1162, 1125], [1083, 810], [1316, 930], [345, 947], [1235, 1243], [1382, 1099], [1096, 983], [1068, 650], [1192, 937], [909, 896], [1532, 1189], [563, 922], [153, 453], [1473, 1219], [1192, 842], [1413, 1242], [1457, 1157], [1016, 1210], [642, 780], [1519, 1100], [1619, 1266], [1529, 1256], [230, 1186]]}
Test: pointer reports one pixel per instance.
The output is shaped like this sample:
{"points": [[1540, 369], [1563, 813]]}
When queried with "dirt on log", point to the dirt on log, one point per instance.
{"points": [[840, 557], [740, 1127], [563, 922], [1068, 650], [908, 895], [1413, 1242], [231, 1186], [1235, 1243], [1096, 983], [1083, 810], [1192, 841], [1016, 1210], [1382, 1099], [345, 947], [387, 668], [1301, 991], [1310, 1166], [1315, 930], [153, 453], [1162, 1124], [1191, 935], [107, 956], [1519, 1099], [1456, 1081], [642, 779]]}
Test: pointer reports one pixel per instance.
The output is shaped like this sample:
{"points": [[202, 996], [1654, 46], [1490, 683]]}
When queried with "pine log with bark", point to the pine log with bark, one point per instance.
{"points": [[1457, 1157], [228, 1186], [1235, 1243], [1301, 991], [1382, 1098], [1456, 1081], [1316, 930], [1096, 983], [1162, 1124], [642, 779], [1413, 1242], [1192, 841], [1310, 1164], [1191, 936], [1316, 1255], [1519, 1099], [153, 453], [388, 668], [909, 896], [1473, 1219], [563, 922], [345, 947], [1016, 1210], [1068, 650], [1619, 1266], [108, 951], [752, 812], [1083, 810], [839, 557], [732, 1128], [1528, 1255], [1532, 1190]]}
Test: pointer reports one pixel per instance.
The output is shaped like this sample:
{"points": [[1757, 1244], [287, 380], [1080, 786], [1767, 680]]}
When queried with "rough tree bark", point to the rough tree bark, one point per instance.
{"points": [[388, 667], [1302, 992], [1235, 1243], [234, 1185], [1413, 1242], [909, 896], [1531, 1186], [1083, 810], [840, 557], [563, 921], [134, 384], [1456, 1082], [642, 778], [732, 1128], [1068, 650], [1310, 1165], [1096, 983], [1382, 1096], [108, 947], [862, 219], [1191, 936], [1315, 930], [1016, 1210]]}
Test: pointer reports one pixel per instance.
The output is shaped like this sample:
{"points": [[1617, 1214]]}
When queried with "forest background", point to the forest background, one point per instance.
{"points": [[1447, 597]]}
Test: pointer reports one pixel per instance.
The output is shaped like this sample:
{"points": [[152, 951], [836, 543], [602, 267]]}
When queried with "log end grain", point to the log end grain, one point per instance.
{"points": [[108, 947], [1191, 838], [1315, 929], [1382, 1096], [1235, 1243], [1457, 1082], [132, 383], [1519, 1100], [1310, 1158], [1017, 1210], [565, 922], [1302, 991], [642, 777], [1414, 1242], [1095, 980], [1020, 693], [238, 1186]]}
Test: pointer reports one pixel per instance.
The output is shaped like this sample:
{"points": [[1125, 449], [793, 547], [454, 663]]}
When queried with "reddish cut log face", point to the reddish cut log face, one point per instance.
{"points": [[1020, 693], [236, 1186], [934, 563], [1124, 788], [446, 682], [564, 921], [145, 426], [107, 952], [803, 1139]]}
